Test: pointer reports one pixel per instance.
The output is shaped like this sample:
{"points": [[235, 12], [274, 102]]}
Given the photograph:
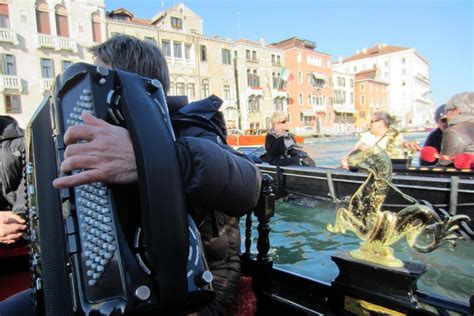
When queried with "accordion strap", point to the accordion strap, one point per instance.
{"points": [[161, 192]]}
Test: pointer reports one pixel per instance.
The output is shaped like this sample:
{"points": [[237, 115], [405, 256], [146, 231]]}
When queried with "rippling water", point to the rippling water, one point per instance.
{"points": [[301, 243]]}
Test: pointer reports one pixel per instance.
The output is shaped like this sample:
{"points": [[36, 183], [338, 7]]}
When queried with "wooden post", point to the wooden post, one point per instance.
{"points": [[332, 192], [264, 211], [453, 195], [248, 234]]}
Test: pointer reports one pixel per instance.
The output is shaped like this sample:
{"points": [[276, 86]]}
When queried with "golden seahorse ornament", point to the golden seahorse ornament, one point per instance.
{"points": [[379, 229]]}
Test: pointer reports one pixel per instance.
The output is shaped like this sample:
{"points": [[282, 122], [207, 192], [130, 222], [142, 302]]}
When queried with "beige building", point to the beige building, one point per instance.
{"points": [[343, 103], [38, 40], [260, 88]]}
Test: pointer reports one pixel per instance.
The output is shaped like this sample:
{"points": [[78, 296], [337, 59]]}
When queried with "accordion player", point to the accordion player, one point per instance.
{"points": [[111, 250]]}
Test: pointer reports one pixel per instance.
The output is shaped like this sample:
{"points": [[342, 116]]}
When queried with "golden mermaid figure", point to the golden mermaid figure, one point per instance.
{"points": [[379, 229]]}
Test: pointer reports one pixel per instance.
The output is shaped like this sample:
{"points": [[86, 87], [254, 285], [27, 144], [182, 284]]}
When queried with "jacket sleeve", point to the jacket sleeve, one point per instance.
{"points": [[275, 146], [217, 177], [451, 145]]}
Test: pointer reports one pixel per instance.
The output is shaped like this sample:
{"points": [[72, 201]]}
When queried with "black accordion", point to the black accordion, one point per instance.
{"points": [[111, 250]]}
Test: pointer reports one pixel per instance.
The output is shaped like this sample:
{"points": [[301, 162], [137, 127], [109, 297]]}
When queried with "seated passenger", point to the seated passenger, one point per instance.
{"points": [[382, 134], [435, 137], [12, 188], [459, 136], [281, 146]]}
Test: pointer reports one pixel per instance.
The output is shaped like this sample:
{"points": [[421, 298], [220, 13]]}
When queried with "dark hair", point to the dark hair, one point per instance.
{"points": [[385, 117], [6, 120], [131, 54]]}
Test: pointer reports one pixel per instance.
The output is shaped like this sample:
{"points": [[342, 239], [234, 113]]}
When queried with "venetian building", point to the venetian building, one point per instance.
{"points": [[310, 90], [38, 40], [371, 95], [199, 65], [408, 75], [343, 103], [260, 87]]}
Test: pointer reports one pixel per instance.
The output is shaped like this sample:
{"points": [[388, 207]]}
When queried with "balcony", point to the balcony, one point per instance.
{"points": [[56, 42], [279, 93], [320, 108], [10, 83], [344, 108], [422, 78], [46, 84], [8, 36]]}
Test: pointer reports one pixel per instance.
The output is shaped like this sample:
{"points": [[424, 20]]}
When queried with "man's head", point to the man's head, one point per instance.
{"points": [[279, 122], [440, 117], [461, 103], [133, 55]]}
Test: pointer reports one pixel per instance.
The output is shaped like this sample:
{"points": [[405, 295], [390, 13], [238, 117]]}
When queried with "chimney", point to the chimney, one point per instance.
{"points": [[357, 52], [262, 41], [364, 51], [340, 59]]}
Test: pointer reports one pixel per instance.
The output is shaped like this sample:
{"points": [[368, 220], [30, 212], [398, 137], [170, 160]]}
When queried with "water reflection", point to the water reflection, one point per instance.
{"points": [[300, 243]]}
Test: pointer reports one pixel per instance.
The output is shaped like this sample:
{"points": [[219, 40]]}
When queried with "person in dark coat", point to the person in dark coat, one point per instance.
{"points": [[435, 138], [12, 197], [220, 184], [459, 136], [281, 146]]}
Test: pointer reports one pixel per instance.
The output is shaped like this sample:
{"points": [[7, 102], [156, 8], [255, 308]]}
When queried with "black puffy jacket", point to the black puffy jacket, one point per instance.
{"points": [[11, 166], [221, 185]]}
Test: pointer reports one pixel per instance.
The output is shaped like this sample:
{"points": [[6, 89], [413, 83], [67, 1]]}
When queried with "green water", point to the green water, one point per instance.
{"points": [[300, 243]]}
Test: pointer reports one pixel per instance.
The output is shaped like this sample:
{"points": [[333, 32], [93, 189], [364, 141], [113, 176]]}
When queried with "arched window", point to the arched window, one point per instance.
{"points": [[205, 88], [191, 90], [96, 32], [42, 18], [62, 26], [180, 88]]}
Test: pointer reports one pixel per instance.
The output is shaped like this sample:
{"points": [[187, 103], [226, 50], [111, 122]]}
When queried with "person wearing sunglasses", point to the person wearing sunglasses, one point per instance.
{"points": [[380, 133], [435, 137], [459, 136], [281, 146]]}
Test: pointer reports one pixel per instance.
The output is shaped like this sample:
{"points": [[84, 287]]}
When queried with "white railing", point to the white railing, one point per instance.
{"points": [[46, 84], [7, 35], [277, 93], [319, 108], [67, 44], [10, 82], [56, 42], [344, 108]]}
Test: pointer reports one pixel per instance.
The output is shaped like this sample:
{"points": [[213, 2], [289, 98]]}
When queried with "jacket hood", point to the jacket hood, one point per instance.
{"points": [[461, 118], [9, 128]]}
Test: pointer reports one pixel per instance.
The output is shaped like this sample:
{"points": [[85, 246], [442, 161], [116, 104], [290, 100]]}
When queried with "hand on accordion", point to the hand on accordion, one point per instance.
{"points": [[11, 227], [104, 151]]}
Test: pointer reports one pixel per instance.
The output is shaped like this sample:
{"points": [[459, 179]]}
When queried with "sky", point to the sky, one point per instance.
{"points": [[440, 30]]}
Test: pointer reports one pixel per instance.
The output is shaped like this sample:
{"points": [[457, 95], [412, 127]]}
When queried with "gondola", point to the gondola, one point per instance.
{"points": [[359, 289], [443, 187]]}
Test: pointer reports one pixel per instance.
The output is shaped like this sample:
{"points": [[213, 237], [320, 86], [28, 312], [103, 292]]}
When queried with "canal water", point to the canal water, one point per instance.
{"points": [[300, 242]]}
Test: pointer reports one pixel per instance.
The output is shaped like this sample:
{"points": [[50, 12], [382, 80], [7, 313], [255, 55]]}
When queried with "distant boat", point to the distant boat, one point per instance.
{"points": [[237, 138]]}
